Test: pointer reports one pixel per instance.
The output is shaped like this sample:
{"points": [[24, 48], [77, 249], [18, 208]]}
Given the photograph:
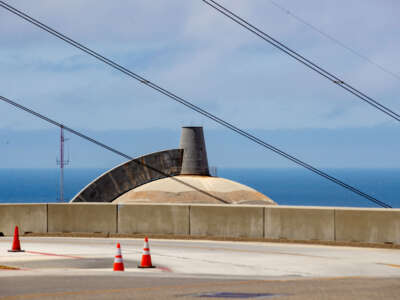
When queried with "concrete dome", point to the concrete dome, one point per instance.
{"points": [[194, 189]]}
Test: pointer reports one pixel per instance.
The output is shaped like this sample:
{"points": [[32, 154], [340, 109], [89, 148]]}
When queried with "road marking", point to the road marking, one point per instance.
{"points": [[164, 269], [54, 254], [8, 268], [389, 265]]}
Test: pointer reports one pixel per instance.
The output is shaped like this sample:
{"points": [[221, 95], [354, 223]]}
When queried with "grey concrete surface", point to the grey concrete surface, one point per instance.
{"points": [[299, 223], [81, 268], [28, 217], [82, 217], [208, 220], [62, 263], [159, 219], [254, 260], [373, 225], [379, 226]]}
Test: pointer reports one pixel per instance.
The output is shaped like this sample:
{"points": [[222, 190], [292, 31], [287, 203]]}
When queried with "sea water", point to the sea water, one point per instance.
{"points": [[285, 186]]}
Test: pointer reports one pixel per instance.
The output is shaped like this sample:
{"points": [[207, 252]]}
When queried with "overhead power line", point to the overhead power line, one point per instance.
{"points": [[102, 145], [331, 77], [335, 40], [189, 104]]}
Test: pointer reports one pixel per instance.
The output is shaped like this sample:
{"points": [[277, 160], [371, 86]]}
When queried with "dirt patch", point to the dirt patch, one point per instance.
{"points": [[8, 268]]}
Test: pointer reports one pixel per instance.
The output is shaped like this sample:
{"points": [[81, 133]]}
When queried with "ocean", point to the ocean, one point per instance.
{"points": [[285, 186]]}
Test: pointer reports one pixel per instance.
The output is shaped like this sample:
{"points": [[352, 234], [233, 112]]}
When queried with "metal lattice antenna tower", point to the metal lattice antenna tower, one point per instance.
{"points": [[62, 163]]}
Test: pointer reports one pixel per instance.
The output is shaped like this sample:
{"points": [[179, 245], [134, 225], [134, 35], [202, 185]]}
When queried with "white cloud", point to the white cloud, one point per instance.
{"points": [[198, 54]]}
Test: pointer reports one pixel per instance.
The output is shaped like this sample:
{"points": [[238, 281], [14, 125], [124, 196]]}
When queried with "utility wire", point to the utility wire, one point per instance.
{"points": [[77, 133], [335, 40], [333, 78], [189, 104]]}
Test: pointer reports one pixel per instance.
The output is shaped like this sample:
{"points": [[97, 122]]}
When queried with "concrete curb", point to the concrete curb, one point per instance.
{"points": [[212, 238]]}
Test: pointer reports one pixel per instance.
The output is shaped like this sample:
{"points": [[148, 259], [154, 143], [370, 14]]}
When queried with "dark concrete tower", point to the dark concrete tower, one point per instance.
{"points": [[194, 152]]}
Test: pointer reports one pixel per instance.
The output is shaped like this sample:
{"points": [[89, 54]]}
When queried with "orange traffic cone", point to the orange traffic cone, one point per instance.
{"points": [[146, 257], [16, 246], [118, 262]]}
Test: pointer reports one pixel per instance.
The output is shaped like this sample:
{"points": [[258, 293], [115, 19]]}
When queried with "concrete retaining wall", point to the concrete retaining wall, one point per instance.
{"points": [[370, 226], [28, 217], [300, 223], [87, 217], [270, 222], [158, 219], [226, 221]]}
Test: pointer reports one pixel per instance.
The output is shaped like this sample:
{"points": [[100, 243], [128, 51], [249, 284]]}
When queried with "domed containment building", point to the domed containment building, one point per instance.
{"points": [[172, 176]]}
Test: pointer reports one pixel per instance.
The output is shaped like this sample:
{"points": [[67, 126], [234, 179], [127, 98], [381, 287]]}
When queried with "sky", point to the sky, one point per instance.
{"points": [[191, 50]]}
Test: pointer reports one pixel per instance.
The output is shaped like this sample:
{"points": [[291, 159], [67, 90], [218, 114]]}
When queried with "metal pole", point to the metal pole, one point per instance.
{"points": [[62, 164]]}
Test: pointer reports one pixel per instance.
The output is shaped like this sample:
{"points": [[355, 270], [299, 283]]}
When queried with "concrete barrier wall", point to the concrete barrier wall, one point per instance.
{"points": [[370, 226], [270, 222], [88, 217], [227, 221], [300, 223], [159, 219], [28, 217]]}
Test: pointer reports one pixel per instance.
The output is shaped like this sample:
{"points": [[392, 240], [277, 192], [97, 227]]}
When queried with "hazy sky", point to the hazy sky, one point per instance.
{"points": [[188, 48]]}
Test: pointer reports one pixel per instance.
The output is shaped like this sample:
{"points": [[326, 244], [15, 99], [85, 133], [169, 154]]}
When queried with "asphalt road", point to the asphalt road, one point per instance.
{"points": [[150, 287], [81, 268]]}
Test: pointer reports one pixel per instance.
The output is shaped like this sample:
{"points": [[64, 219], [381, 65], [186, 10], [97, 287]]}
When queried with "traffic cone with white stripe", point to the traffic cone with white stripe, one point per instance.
{"points": [[16, 246], [118, 262], [146, 257]]}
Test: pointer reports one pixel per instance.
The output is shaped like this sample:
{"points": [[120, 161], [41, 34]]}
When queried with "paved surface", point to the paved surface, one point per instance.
{"points": [[80, 268], [128, 287]]}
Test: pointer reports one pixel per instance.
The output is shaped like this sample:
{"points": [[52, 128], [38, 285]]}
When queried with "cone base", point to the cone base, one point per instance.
{"points": [[16, 250], [146, 267]]}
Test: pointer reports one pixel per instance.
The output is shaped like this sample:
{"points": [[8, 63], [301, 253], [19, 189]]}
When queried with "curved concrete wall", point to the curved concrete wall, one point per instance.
{"points": [[380, 226], [130, 175]]}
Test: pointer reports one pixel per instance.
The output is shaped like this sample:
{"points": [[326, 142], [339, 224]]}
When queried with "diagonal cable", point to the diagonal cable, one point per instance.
{"points": [[189, 104], [335, 40], [77, 133], [324, 73]]}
